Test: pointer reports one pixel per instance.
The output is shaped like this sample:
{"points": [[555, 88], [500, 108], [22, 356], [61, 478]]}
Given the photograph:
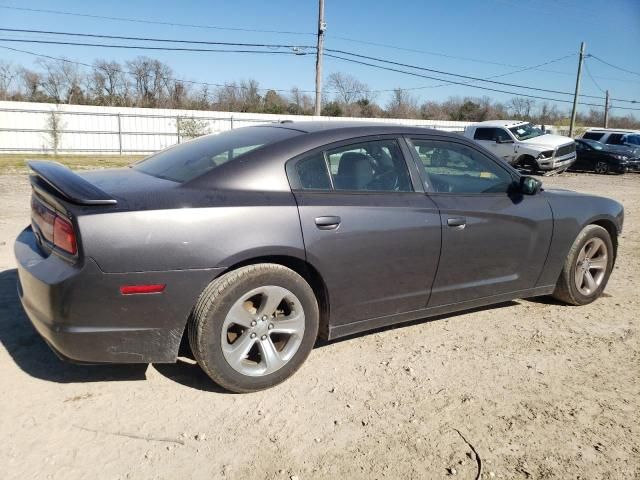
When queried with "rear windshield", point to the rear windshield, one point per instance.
{"points": [[192, 159]]}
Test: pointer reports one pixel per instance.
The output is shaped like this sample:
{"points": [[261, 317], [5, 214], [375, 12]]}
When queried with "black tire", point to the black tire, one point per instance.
{"points": [[206, 323], [601, 168], [527, 161], [566, 289]]}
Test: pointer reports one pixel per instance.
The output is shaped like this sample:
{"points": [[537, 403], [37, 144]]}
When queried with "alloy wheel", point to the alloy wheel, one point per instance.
{"points": [[602, 167], [591, 266], [263, 330]]}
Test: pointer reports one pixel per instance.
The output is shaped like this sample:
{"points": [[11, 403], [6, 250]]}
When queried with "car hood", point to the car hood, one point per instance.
{"points": [[548, 141], [622, 150]]}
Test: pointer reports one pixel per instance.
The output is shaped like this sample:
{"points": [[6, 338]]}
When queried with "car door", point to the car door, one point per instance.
{"points": [[586, 157], [494, 241], [497, 141], [368, 229]]}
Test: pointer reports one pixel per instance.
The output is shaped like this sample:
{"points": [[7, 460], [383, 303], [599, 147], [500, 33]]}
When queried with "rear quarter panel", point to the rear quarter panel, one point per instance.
{"points": [[226, 229]]}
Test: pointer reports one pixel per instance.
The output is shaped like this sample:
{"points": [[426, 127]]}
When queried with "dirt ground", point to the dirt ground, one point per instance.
{"points": [[539, 389]]}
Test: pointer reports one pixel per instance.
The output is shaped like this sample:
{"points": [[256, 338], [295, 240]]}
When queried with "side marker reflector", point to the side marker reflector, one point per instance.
{"points": [[141, 289]]}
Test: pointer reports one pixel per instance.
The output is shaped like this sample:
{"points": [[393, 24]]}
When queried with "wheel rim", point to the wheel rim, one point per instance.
{"points": [[591, 266], [601, 167], [263, 330]]}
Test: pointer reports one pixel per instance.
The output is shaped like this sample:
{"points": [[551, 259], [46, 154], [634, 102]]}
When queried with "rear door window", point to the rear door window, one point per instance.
{"points": [[369, 166], [593, 135], [485, 134]]}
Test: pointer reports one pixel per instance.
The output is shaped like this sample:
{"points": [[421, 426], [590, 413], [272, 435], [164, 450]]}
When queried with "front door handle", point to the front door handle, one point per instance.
{"points": [[328, 222], [457, 222]]}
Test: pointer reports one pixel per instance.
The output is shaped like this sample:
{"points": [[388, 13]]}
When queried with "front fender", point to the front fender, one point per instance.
{"points": [[571, 213]]}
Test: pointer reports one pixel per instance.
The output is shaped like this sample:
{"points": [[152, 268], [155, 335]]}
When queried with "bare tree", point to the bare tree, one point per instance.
{"points": [[109, 83], [520, 107], [249, 96], [299, 102], [7, 75], [32, 81], [348, 89], [402, 105], [151, 80]]}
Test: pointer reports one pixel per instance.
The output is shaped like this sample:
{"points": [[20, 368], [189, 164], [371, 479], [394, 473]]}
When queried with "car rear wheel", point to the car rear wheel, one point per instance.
{"points": [[602, 167], [587, 268], [252, 328]]}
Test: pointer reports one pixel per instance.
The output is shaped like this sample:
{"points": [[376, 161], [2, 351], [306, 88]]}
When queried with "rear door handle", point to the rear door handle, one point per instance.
{"points": [[457, 222], [328, 222]]}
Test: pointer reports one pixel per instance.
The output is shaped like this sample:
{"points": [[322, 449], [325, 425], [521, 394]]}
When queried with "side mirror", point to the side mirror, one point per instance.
{"points": [[504, 140], [530, 185]]}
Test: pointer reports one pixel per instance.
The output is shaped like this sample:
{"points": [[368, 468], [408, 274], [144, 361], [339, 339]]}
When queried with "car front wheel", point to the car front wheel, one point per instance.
{"points": [[602, 168], [587, 268], [253, 327]]}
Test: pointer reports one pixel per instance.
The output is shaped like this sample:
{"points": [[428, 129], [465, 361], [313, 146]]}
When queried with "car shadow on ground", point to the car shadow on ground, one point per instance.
{"points": [[34, 356], [30, 352]]}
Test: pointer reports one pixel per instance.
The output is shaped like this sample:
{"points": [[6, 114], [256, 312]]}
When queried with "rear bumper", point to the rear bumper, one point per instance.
{"points": [[80, 313]]}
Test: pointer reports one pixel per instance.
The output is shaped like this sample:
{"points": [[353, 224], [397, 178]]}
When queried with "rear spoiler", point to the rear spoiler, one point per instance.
{"points": [[69, 185]]}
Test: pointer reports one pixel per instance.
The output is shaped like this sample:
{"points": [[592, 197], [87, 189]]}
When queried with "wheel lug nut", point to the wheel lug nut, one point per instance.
{"points": [[263, 337], [253, 324], [264, 318], [253, 335], [270, 326]]}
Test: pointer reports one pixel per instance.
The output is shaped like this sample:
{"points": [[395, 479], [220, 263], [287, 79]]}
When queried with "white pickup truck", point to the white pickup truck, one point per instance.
{"points": [[522, 144]]}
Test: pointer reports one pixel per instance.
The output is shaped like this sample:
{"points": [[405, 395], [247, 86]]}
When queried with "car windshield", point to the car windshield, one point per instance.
{"points": [[526, 131], [194, 158], [593, 144]]}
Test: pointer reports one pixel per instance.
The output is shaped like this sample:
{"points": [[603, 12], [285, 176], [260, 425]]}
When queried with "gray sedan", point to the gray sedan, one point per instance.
{"points": [[254, 242]]}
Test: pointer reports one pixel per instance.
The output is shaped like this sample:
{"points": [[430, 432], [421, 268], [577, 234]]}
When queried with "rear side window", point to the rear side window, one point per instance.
{"points": [[312, 173], [593, 135], [190, 160], [485, 134]]}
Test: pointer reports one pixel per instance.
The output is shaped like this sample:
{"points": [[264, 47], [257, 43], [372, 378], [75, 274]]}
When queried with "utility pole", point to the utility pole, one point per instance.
{"points": [[577, 92], [606, 110], [322, 26]]}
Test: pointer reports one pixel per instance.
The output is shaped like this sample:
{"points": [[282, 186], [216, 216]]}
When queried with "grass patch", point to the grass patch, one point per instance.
{"points": [[16, 163]]}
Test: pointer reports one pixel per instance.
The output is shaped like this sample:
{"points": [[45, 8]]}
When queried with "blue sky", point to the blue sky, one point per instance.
{"points": [[515, 32]]}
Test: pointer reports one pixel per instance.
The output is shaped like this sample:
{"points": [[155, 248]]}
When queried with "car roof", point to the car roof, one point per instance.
{"points": [[315, 126], [499, 123], [262, 168], [612, 130]]}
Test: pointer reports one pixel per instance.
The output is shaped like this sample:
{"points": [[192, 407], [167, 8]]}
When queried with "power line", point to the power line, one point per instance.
{"points": [[168, 40], [146, 47], [465, 84], [468, 77], [152, 22], [586, 67], [614, 66], [295, 50], [254, 30], [127, 72], [153, 39]]}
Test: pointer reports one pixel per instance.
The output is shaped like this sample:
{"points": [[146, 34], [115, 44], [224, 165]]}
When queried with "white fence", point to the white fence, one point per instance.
{"points": [[43, 127]]}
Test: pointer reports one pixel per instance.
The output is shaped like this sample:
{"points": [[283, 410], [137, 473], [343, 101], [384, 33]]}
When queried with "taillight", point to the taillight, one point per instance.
{"points": [[63, 235]]}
